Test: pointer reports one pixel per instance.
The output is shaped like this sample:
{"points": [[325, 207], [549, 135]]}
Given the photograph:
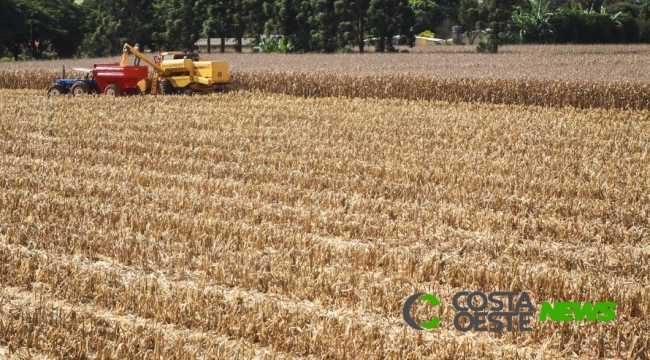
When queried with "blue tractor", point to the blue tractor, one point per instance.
{"points": [[77, 87]]}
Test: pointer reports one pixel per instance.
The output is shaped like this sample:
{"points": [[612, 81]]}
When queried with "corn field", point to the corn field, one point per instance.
{"points": [[557, 93], [256, 225], [583, 63], [613, 76]]}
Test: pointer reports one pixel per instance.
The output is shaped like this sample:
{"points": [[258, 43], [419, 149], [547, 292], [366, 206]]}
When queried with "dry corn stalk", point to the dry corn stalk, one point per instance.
{"points": [[286, 227], [554, 93]]}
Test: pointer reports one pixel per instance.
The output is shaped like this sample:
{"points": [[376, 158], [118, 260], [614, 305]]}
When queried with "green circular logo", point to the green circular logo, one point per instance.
{"points": [[407, 309]]}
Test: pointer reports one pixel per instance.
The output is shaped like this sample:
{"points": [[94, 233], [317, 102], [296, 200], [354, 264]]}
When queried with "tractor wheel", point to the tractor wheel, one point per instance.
{"points": [[112, 90], [56, 90], [165, 88], [188, 92], [80, 88]]}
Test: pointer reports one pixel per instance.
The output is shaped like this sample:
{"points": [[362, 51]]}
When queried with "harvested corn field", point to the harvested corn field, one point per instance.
{"points": [[253, 225]]}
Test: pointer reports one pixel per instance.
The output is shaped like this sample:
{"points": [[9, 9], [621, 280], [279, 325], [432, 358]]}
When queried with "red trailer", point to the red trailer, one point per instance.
{"points": [[116, 80]]}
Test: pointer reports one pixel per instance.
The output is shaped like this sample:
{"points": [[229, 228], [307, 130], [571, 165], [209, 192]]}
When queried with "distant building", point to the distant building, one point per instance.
{"points": [[215, 43], [425, 41], [394, 41], [479, 35]]}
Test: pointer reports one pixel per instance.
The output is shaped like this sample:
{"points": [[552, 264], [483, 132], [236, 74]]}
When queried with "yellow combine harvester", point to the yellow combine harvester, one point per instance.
{"points": [[181, 73]]}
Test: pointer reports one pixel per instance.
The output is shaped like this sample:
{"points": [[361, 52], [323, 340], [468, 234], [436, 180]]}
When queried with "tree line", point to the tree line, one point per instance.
{"points": [[65, 28]]}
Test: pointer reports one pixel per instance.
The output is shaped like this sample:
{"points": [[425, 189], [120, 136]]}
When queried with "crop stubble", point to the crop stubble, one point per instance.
{"points": [[257, 225]]}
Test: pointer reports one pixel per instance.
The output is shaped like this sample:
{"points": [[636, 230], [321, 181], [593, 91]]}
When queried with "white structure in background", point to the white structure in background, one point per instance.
{"points": [[215, 43], [459, 39]]}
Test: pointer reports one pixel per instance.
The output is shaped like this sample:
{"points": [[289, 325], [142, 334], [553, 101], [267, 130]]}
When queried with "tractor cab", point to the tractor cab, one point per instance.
{"points": [[77, 86]]}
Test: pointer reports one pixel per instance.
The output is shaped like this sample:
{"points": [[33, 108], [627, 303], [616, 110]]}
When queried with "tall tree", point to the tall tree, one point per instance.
{"points": [[11, 24], [201, 12], [388, 18], [238, 22], [111, 23], [256, 16], [226, 18], [47, 23], [499, 14], [346, 31], [472, 15], [324, 26], [290, 18], [449, 9], [379, 19], [182, 27], [406, 20], [353, 21], [217, 21], [428, 15]]}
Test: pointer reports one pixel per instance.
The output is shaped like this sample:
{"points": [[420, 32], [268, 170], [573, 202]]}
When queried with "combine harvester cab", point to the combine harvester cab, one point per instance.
{"points": [[109, 79]]}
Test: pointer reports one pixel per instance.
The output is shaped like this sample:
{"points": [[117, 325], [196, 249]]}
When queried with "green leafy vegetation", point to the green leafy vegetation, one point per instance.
{"points": [[37, 29]]}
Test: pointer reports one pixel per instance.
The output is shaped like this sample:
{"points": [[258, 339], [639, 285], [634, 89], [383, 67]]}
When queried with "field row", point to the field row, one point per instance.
{"points": [[519, 91], [256, 225]]}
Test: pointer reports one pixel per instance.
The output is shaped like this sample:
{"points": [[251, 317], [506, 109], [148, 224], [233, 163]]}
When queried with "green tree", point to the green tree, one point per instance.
{"points": [[217, 21], [345, 29], [449, 9], [428, 15], [499, 14], [238, 22], [43, 24], [290, 18], [353, 21], [111, 23], [11, 24], [323, 24], [472, 15], [223, 18], [181, 25], [643, 22], [387, 18], [255, 16]]}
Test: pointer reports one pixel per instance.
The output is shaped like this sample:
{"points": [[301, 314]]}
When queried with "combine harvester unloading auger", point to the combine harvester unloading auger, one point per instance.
{"points": [[174, 73]]}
